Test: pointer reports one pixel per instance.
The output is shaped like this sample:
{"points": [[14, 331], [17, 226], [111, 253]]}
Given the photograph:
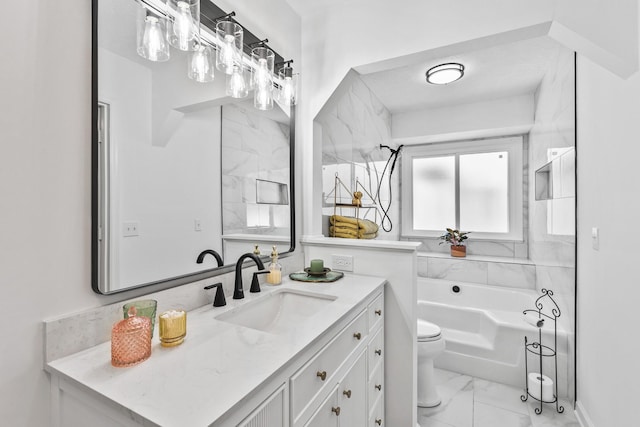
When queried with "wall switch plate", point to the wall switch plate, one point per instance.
{"points": [[342, 262], [595, 238], [131, 229], [197, 225]]}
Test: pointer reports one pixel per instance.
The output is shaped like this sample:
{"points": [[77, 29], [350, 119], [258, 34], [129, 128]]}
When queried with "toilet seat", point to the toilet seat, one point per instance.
{"points": [[428, 331]]}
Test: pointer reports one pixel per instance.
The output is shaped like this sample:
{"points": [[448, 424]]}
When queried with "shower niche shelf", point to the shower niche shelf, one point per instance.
{"points": [[546, 311]]}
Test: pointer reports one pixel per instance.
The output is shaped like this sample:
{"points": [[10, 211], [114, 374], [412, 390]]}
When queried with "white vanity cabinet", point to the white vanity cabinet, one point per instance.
{"points": [[346, 404], [359, 395], [333, 377]]}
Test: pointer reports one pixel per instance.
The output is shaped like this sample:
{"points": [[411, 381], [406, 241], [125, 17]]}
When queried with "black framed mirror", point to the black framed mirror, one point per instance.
{"points": [[179, 167]]}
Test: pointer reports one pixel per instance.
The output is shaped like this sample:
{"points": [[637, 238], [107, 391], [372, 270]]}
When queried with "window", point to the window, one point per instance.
{"points": [[472, 185]]}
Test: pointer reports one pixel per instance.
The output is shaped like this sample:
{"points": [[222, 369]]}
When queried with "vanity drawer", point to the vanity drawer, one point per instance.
{"points": [[320, 371], [376, 388], [375, 352], [375, 311]]}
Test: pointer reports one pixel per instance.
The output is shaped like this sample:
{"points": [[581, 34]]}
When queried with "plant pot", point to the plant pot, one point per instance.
{"points": [[458, 251]]}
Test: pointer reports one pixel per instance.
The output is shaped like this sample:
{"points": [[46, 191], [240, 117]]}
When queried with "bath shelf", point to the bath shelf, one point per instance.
{"points": [[352, 201], [546, 308]]}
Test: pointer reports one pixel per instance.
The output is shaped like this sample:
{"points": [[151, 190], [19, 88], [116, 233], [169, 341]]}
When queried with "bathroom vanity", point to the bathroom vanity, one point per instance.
{"points": [[299, 354]]}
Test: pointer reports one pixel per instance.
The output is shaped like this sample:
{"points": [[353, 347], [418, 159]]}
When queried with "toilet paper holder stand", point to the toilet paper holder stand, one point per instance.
{"points": [[545, 308]]}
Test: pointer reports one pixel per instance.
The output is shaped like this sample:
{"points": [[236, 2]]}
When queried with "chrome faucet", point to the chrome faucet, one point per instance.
{"points": [[215, 254], [238, 292]]}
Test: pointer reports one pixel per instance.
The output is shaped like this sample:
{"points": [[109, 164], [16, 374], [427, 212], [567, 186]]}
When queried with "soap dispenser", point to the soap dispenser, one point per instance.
{"points": [[274, 277]]}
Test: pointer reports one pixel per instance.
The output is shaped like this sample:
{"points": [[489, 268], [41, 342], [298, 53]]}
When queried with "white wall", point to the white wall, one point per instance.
{"points": [[45, 179], [608, 292], [497, 117]]}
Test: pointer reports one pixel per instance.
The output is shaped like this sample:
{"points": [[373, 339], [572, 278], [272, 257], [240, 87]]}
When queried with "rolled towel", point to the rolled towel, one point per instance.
{"points": [[364, 225], [350, 234]]}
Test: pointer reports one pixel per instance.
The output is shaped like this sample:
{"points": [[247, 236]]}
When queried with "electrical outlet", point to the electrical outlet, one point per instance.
{"points": [[342, 262], [130, 228]]}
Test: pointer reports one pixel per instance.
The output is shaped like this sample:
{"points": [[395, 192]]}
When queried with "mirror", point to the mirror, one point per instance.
{"points": [[178, 167]]}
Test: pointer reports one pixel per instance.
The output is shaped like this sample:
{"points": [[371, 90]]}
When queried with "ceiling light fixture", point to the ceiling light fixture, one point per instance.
{"points": [[445, 73]]}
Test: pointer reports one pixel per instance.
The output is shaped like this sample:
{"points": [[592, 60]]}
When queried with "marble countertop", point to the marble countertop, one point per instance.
{"points": [[217, 366]]}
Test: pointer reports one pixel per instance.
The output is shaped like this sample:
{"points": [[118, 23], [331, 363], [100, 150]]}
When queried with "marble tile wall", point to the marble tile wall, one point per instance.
{"points": [[554, 128], [481, 270], [254, 147], [352, 131]]}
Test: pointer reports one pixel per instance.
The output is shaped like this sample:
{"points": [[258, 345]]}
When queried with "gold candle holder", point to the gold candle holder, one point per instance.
{"points": [[173, 327]]}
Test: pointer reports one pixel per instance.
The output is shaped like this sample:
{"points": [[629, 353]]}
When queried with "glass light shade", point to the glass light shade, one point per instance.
{"points": [[288, 87], [237, 86], [445, 73], [262, 59], [263, 98], [151, 43], [184, 23], [229, 53], [201, 64]]}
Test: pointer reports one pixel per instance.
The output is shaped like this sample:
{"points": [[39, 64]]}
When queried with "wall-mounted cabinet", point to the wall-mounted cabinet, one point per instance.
{"points": [[557, 179]]}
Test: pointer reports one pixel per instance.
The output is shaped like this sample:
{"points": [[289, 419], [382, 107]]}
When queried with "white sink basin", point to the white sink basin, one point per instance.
{"points": [[277, 311]]}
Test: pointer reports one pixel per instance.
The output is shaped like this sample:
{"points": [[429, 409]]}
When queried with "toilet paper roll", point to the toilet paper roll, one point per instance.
{"points": [[534, 379], [534, 319]]}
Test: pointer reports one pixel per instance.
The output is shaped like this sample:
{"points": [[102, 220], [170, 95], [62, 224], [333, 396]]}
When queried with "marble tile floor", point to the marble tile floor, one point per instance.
{"points": [[474, 402]]}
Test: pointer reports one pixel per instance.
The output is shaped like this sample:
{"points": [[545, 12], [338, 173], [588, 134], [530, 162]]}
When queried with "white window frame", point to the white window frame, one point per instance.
{"points": [[514, 145]]}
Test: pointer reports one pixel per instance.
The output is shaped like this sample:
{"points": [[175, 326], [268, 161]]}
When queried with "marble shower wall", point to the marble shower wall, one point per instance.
{"points": [[553, 255], [353, 126], [253, 147]]}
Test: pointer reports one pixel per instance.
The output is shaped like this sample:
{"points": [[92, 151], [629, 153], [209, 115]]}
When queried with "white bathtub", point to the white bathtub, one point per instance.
{"points": [[484, 330]]}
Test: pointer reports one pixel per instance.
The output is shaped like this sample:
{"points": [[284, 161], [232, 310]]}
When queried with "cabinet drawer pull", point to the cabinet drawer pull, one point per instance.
{"points": [[378, 352], [322, 375], [379, 313], [357, 336], [336, 410], [379, 421], [378, 386], [347, 393]]}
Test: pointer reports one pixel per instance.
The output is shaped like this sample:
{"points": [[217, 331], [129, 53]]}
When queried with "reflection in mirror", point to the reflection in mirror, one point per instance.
{"points": [[170, 154]]}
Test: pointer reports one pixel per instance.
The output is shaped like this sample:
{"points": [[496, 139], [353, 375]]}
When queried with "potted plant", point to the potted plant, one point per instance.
{"points": [[456, 239]]}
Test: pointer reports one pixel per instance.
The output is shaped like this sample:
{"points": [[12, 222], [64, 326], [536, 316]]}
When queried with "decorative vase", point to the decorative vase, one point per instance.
{"points": [[458, 251]]}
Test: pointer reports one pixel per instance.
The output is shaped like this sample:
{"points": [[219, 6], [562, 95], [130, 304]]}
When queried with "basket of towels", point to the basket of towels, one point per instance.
{"points": [[352, 228]]}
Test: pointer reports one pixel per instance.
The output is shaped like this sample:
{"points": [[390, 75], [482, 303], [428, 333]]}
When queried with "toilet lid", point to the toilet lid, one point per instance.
{"points": [[427, 330]]}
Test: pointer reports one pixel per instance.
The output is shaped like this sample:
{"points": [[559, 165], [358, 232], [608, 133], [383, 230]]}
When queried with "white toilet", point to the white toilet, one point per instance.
{"points": [[430, 345]]}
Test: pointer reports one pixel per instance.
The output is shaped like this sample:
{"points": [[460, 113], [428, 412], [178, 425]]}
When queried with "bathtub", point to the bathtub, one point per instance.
{"points": [[484, 330]]}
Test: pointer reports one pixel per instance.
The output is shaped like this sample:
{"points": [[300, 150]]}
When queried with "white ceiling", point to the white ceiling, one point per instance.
{"points": [[307, 7], [493, 73]]}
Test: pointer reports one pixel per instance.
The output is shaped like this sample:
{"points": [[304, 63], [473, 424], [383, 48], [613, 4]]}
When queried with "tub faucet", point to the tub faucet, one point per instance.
{"points": [[238, 292], [215, 254]]}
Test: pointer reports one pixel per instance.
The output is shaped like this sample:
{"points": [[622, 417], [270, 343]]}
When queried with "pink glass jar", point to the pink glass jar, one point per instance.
{"points": [[131, 340]]}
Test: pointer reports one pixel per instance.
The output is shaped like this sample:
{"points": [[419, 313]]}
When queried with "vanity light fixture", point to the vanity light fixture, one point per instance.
{"points": [[185, 26], [236, 83], [262, 77], [288, 85], [230, 35], [150, 34], [201, 64], [445, 73]]}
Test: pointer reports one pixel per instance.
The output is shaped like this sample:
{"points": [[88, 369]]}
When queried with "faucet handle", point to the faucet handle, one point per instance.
{"points": [[255, 284], [219, 300]]}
